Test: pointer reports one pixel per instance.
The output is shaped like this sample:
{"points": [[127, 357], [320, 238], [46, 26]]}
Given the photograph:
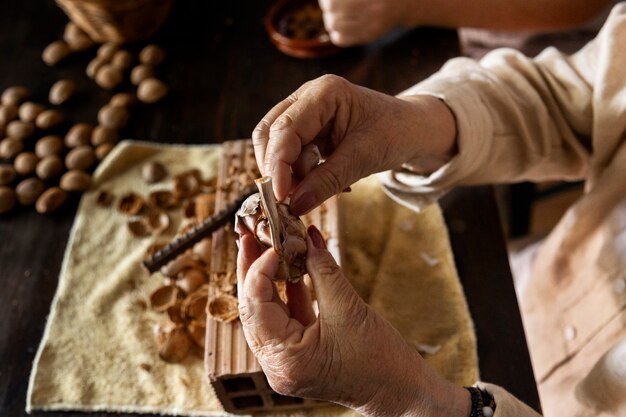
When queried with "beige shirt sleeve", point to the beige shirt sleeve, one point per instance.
{"points": [[527, 119]]}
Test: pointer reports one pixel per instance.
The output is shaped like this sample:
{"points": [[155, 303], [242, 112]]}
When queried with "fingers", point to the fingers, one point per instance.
{"points": [[335, 295], [299, 302]]}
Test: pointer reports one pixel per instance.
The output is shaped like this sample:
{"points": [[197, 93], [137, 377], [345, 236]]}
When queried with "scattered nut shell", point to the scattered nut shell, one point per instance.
{"points": [[107, 50], [8, 112], [187, 184], [29, 111], [197, 332], [49, 167], [113, 117], [186, 260], [104, 198], [7, 199], [29, 190], [79, 134], [25, 163], [189, 209], [131, 203], [122, 60], [56, 52], [75, 38], [50, 200], [151, 90], [140, 73], [152, 55], [152, 172], [164, 297], [75, 181], [190, 280], [61, 91], [19, 129], [49, 145], [123, 100], [49, 119], [139, 228], [204, 206], [14, 96], [174, 314], [194, 307], [7, 174], [203, 250], [162, 199], [94, 66], [103, 134], [108, 77], [10, 148], [173, 342], [81, 158], [224, 308], [158, 222], [103, 150]]}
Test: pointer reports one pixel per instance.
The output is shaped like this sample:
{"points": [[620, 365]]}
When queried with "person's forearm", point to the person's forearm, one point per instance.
{"points": [[533, 15]]}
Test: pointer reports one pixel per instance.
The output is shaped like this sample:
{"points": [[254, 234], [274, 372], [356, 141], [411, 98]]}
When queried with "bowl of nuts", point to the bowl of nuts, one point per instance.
{"points": [[297, 29]]}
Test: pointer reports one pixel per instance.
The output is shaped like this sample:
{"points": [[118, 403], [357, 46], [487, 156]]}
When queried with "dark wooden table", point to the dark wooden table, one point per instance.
{"points": [[224, 75]]}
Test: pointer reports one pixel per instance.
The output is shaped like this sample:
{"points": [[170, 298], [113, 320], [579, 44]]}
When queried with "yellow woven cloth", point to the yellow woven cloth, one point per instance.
{"points": [[98, 350]]}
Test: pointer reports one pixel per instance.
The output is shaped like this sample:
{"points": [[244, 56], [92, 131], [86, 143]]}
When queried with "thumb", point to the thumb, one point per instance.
{"points": [[335, 295]]}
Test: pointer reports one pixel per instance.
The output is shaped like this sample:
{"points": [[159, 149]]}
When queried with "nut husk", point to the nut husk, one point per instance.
{"points": [[7, 199], [187, 184], [173, 342], [194, 307], [61, 91], [29, 190], [224, 308], [81, 158], [190, 280], [139, 227], [131, 203], [164, 297], [158, 222], [197, 332], [162, 199]]}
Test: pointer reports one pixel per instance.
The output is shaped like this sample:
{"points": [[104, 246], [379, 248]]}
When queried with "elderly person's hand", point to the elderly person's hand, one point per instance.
{"points": [[358, 131], [348, 354]]}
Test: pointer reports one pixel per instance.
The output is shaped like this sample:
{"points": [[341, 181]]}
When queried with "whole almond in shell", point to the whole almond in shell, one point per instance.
{"points": [[8, 112], [76, 38], [14, 96], [108, 77], [49, 145], [94, 66], [122, 60], [25, 163], [151, 90], [61, 91], [50, 200], [29, 190], [103, 134], [49, 119], [75, 181], [49, 167], [79, 134], [7, 174], [140, 73], [152, 55], [113, 117], [19, 129], [81, 158], [103, 150], [29, 111], [10, 148], [123, 100], [7, 199], [56, 52]]}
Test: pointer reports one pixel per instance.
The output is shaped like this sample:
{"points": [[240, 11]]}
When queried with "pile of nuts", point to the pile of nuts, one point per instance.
{"points": [[39, 164]]}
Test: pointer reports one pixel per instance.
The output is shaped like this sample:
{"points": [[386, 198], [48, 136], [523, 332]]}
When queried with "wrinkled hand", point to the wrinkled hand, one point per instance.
{"points": [[358, 132], [348, 354], [357, 22]]}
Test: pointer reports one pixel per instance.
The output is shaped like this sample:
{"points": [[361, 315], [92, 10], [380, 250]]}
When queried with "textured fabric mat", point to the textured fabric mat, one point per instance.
{"points": [[98, 351]]}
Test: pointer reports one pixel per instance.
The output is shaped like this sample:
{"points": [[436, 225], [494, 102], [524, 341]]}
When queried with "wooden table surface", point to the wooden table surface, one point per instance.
{"points": [[224, 75]]}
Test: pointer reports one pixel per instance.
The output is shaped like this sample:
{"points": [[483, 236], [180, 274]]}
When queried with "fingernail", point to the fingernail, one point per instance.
{"points": [[316, 237], [303, 203]]}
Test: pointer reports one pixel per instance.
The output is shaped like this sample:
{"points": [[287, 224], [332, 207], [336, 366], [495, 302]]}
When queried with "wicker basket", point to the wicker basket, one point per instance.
{"points": [[118, 21]]}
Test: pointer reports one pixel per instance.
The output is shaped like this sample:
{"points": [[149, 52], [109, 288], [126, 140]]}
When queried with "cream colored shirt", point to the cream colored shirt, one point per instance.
{"points": [[563, 117]]}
